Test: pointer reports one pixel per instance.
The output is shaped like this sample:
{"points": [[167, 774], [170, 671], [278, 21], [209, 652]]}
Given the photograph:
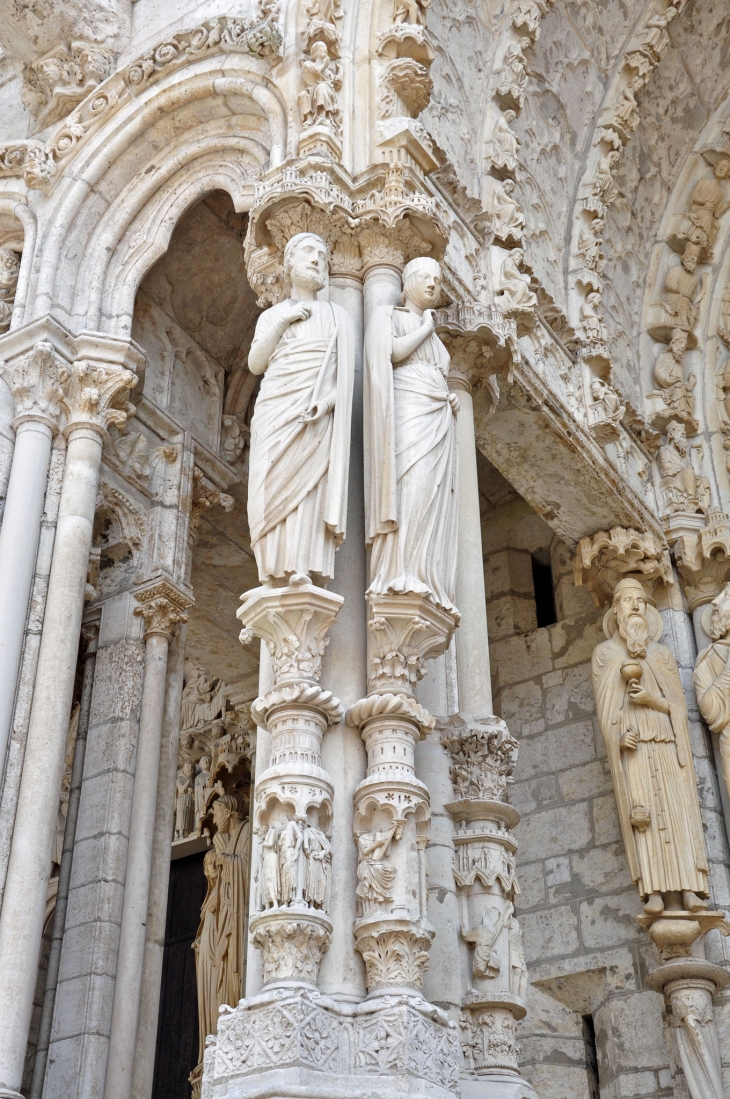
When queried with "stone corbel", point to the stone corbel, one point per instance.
{"points": [[205, 496], [603, 559], [163, 607], [703, 560]]}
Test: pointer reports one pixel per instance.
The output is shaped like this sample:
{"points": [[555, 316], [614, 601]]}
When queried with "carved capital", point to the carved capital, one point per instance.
{"points": [[703, 560], [294, 622], [483, 754], [395, 958], [55, 83], [95, 395], [603, 559], [163, 607], [37, 379], [405, 631], [488, 1038], [292, 944]]}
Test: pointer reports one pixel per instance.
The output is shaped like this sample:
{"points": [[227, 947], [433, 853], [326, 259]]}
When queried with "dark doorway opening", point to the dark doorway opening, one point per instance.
{"points": [[542, 579], [177, 1029]]}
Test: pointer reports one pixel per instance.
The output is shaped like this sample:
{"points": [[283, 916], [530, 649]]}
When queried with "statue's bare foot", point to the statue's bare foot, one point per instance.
{"points": [[655, 905], [691, 902]]}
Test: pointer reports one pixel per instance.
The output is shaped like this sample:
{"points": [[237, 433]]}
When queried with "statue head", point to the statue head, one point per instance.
{"points": [[319, 51], [719, 624], [597, 389], [678, 343], [422, 282], [629, 610], [509, 116], [305, 261], [690, 257], [188, 768], [677, 434], [722, 169], [205, 763], [508, 186], [224, 808]]}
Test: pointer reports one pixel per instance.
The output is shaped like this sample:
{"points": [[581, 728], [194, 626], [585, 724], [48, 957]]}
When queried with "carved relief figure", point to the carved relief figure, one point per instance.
{"points": [[589, 247], [513, 71], [712, 675], [375, 876], [410, 448], [201, 785], [684, 488], [318, 852], [203, 698], [518, 977], [270, 876], [706, 206], [669, 376], [219, 945], [9, 271], [185, 801], [505, 145], [682, 295], [591, 318], [514, 293], [603, 186], [300, 431], [609, 398], [410, 11], [290, 852], [485, 960], [643, 718], [323, 79], [507, 218]]}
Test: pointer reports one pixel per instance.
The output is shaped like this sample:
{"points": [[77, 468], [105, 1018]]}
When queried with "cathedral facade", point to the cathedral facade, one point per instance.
{"points": [[365, 549]]}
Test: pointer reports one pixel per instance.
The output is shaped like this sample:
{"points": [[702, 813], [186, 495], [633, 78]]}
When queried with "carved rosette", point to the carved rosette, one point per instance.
{"points": [[292, 814]]}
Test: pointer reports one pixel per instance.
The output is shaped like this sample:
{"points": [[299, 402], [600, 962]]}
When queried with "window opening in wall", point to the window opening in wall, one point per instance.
{"points": [[542, 579], [591, 1053]]}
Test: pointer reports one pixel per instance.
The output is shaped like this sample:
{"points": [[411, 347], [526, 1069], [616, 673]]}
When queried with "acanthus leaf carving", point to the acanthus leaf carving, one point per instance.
{"points": [[484, 756]]}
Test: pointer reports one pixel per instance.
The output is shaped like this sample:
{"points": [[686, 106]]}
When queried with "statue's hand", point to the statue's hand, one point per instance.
{"points": [[315, 412], [429, 320], [643, 697], [455, 403], [297, 311], [629, 740]]}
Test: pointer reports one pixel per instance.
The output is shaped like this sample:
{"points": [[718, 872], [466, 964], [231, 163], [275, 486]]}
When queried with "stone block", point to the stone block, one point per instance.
{"points": [[557, 870], [631, 1030], [521, 703], [715, 835], [77, 1066], [637, 1085], [586, 781], [99, 858], [573, 642], [532, 885], [117, 681], [567, 746], [554, 831], [572, 699], [520, 658], [111, 745], [100, 900], [536, 793], [551, 932], [605, 820], [608, 921], [602, 869], [554, 1049], [83, 1005], [511, 614], [557, 1081], [106, 804], [90, 948]]}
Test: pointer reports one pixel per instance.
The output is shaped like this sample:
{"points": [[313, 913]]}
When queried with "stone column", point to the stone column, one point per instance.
{"points": [[36, 369], [89, 391], [484, 755], [162, 606]]}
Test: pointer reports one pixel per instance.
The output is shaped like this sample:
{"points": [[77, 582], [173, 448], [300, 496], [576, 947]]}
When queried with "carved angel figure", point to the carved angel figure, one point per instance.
{"points": [[9, 271], [514, 294], [669, 377], [203, 698], [643, 719], [323, 79], [300, 432], [410, 448], [612, 406], [589, 246], [410, 11], [655, 40], [706, 206], [603, 186], [683, 488]]}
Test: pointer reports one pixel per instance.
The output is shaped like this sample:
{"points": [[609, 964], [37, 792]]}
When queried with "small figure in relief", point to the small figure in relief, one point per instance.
{"points": [[323, 79], [410, 11], [514, 294], [375, 876], [185, 801], [9, 272], [270, 884]]}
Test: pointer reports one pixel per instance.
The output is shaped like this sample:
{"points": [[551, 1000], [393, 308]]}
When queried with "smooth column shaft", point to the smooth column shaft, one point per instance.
{"points": [[472, 640], [23, 912], [132, 933], [19, 536]]}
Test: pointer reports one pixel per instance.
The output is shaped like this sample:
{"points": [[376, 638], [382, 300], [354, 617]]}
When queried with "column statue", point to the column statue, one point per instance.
{"points": [[300, 431], [410, 445], [643, 718], [712, 674]]}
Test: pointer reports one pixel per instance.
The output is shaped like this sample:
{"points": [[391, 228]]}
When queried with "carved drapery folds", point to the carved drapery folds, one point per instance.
{"points": [[319, 107], [483, 756]]}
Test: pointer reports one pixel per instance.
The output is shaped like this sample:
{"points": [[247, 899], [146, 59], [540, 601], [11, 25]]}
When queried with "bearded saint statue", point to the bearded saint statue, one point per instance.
{"points": [[411, 495], [712, 674], [643, 717], [300, 431]]}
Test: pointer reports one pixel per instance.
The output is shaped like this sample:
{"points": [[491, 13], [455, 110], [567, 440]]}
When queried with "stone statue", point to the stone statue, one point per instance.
{"points": [[603, 186], [486, 961], [591, 319], [410, 11], [589, 246], [185, 801], [513, 293], [505, 144], [682, 292], [513, 71], [669, 377], [220, 945], [290, 855], [410, 445], [201, 785], [613, 407], [507, 218], [203, 698], [375, 876], [683, 488], [518, 978], [299, 453], [323, 79], [9, 272], [712, 675], [643, 719], [270, 877], [318, 853], [706, 206]]}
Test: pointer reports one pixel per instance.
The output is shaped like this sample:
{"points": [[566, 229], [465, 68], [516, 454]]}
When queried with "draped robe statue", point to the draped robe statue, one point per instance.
{"points": [[712, 675], [220, 948], [643, 718], [300, 431], [411, 495]]}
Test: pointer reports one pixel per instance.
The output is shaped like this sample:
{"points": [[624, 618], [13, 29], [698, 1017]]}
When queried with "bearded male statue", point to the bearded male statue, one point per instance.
{"points": [[712, 674], [643, 717], [300, 431]]}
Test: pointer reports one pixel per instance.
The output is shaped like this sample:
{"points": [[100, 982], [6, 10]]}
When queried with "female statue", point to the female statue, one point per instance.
{"points": [[410, 445]]}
